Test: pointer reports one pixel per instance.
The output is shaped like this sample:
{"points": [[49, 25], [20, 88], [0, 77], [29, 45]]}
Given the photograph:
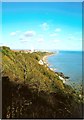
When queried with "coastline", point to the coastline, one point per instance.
{"points": [[45, 59], [60, 74], [65, 79]]}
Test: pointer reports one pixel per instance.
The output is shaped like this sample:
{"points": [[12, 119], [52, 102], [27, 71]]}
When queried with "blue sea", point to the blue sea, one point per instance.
{"points": [[68, 62]]}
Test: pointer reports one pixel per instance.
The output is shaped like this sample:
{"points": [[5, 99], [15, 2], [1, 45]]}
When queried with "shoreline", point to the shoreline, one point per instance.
{"points": [[45, 59], [65, 79], [60, 74]]}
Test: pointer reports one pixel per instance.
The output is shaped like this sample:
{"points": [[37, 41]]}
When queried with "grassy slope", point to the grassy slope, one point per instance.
{"points": [[41, 87]]}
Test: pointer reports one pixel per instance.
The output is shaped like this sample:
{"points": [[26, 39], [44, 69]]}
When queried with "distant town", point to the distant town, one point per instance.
{"points": [[29, 50]]}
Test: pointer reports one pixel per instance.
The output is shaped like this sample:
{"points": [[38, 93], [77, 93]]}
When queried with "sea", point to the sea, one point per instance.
{"points": [[70, 64]]}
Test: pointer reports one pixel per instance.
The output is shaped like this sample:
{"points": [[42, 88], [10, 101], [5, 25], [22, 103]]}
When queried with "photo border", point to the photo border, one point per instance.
{"points": [[42, 1]]}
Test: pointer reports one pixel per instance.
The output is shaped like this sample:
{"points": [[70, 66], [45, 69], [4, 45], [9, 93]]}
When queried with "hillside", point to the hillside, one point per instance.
{"points": [[31, 90]]}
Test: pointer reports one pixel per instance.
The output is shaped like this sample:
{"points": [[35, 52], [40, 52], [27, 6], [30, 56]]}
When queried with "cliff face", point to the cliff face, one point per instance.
{"points": [[31, 90]]}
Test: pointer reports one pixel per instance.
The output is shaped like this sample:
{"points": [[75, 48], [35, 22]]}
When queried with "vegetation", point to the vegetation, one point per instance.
{"points": [[31, 90]]}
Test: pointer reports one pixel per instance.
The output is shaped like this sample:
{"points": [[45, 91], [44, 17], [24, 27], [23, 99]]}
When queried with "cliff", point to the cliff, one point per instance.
{"points": [[31, 90]]}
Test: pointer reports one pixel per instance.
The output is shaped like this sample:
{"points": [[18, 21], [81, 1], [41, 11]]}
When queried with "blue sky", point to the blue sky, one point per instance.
{"points": [[55, 25]]}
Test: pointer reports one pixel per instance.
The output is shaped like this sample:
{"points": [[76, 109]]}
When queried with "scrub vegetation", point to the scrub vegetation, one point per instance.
{"points": [[31, 90]]}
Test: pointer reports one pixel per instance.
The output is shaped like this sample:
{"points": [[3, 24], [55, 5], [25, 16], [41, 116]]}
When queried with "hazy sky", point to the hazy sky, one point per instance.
{"points": [[55, 25]]}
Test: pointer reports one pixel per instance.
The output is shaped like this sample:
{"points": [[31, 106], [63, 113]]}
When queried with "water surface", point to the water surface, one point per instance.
{"points": [[68, 62]]}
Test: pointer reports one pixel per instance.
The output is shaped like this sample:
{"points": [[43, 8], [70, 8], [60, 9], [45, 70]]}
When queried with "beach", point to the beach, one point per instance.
{"points": [[45, 58], [44, 61]]}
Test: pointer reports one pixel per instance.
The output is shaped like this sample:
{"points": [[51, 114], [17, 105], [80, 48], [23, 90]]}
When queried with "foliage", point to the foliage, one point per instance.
{"points": [[33, 90]]}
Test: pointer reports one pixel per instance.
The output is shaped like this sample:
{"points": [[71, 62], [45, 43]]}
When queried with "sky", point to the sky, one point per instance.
{"points": [[46, 25]]}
